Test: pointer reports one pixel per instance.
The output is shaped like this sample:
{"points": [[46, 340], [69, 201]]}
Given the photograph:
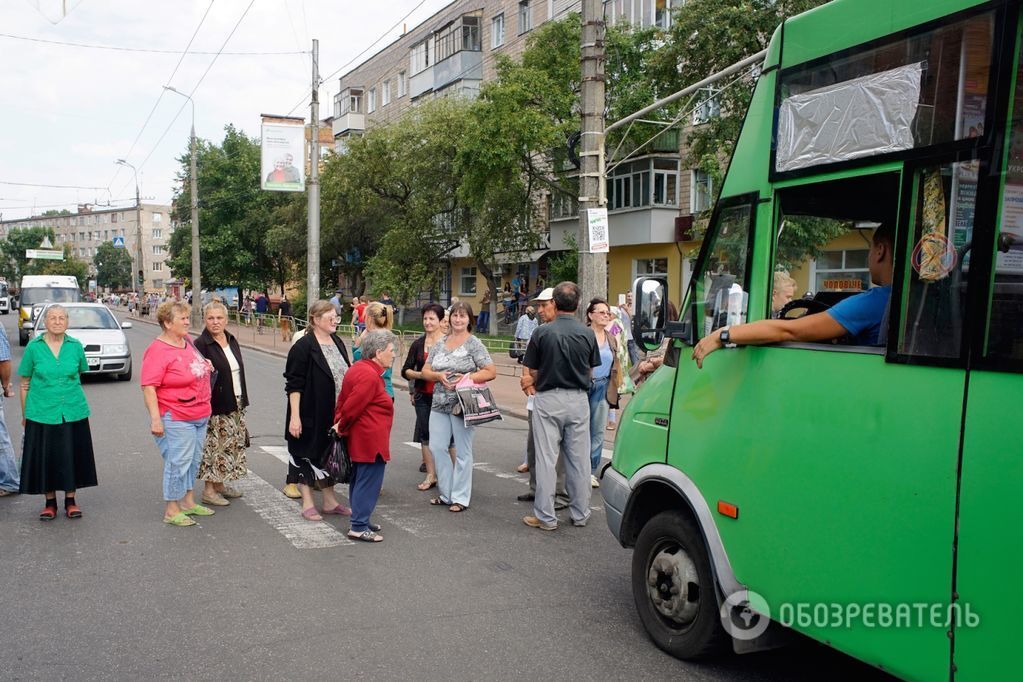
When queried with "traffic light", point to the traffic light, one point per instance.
{"points": [[142, 277]]}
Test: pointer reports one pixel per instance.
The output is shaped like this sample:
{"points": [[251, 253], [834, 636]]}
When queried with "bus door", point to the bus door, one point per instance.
{"points": [[841, 464], [989, 545]]}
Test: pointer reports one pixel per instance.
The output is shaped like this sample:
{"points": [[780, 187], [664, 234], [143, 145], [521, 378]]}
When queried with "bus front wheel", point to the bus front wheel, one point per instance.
{"points": [[673, 586]]}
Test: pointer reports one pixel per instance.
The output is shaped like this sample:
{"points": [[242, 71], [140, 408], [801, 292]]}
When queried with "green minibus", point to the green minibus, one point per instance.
{"points": [[858, 491]]}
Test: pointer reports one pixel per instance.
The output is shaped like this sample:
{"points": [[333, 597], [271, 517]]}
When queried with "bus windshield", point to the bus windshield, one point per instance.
{"points": [[49, 294]]}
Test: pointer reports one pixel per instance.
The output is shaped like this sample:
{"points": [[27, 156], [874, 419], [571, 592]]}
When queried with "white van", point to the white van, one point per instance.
{"points": [[38, 289]]}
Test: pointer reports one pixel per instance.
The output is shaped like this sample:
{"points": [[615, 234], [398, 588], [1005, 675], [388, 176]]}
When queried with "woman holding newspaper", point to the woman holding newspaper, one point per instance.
{"points": [[458, 356]]}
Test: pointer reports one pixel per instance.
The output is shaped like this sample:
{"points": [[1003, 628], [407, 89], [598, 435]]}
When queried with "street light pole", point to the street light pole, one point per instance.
{"points": [[136, 284], [196, 269]]}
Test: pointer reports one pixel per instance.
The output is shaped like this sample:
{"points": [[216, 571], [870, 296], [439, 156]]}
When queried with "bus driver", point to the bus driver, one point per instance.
{"points": [[859, 316]]}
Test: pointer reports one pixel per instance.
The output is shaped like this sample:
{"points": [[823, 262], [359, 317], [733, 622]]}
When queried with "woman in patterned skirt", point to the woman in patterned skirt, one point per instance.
{"points": [[223, 455]]}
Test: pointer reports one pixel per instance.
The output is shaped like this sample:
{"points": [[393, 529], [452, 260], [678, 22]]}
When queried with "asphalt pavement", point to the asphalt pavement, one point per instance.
{"points": [[255, 592]]}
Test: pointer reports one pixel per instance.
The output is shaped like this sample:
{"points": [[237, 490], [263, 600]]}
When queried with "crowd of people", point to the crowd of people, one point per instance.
{"points": [[195, 393]]}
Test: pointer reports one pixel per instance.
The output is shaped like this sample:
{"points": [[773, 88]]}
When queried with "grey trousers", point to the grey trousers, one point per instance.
{"points": [[561, 423], [561, 493]]}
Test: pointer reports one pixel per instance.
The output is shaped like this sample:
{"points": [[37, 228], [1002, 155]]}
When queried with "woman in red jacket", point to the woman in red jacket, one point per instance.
{"points": [[363, 415]]}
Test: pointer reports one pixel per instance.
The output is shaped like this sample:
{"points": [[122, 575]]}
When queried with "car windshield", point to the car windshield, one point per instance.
{"points": [[86, 318], [47, 295]]}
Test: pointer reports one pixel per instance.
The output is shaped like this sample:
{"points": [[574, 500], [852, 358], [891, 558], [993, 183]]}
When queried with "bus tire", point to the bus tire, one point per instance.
{"points": [[673, 586]]}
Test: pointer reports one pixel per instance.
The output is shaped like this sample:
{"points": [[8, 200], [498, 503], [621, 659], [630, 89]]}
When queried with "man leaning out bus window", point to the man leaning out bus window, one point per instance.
{"points": [[859, 316]]}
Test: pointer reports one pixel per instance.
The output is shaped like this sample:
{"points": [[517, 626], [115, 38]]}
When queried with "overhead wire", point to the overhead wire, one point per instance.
{"points": [[150, 50]]}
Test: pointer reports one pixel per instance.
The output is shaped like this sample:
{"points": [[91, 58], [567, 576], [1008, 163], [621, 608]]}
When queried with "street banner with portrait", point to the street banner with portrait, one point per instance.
{"points": [[283, 155]]}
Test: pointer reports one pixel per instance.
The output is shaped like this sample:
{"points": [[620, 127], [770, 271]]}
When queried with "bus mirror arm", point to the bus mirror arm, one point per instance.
{"points": [[680, 330]]}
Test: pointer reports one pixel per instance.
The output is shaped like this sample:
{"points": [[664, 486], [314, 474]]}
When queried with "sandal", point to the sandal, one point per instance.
{"points": [[365, 536], [311, 514], [430, 482], [339, 510], [457, 508], [522, 468], [437, 502], [73, 512], [48, 514], [198, 510], [179, 519]]}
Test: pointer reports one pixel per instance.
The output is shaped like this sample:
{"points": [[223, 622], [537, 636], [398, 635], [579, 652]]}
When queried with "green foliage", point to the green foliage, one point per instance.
{"points": [[564, 267], [113, 266], [247, 237], [13, 263], [54, 212], [804, 237], [71, 265]]}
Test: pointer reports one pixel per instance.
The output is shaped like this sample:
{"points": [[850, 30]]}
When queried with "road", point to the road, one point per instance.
{"points": [[255, 592]]}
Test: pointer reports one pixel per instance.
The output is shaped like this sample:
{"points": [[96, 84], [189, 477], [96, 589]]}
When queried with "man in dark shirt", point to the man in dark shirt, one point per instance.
{"points": [[560, 358]]}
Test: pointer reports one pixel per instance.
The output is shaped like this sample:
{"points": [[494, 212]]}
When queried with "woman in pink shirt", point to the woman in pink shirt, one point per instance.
{"points": [[176, 390]]}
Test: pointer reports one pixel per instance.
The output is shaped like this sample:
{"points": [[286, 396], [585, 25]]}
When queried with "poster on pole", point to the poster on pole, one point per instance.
{"points": [[283, 154], [596, 218]]}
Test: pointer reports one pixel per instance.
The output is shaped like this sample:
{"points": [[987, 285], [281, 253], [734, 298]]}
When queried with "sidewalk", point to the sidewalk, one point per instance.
{"points": [[505, 387]]}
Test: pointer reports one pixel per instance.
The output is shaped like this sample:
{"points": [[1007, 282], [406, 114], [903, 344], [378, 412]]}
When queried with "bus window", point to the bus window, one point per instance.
{"points": [[944, 204], [918, 91], [823, 239], [721, 292]]}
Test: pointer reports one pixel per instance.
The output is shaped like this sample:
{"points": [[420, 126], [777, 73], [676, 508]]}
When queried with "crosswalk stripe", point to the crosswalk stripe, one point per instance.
{"points": [[283, 514]]}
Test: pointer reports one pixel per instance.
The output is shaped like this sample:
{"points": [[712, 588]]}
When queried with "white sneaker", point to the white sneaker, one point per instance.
{"points": [[594, 483]]}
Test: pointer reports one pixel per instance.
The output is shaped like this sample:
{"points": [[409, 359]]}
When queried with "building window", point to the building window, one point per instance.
{"points": [[402, 84], [702, 192], [157, 266], [662, 14], [371, 101], [113, 217], [158, 283], [462, 34], [842, 271], [497, 31], [157, 250], [157, 217], [564, 206], [665, 182], [157, 233], [385, 93], [419, 59], [525, 19], [645, 267], [708, 106], [106, 235], [467, 281], [348, 101]]}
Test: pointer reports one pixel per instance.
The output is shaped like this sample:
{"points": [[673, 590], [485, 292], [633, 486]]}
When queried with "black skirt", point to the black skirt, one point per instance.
{"points": [[57, 457]]}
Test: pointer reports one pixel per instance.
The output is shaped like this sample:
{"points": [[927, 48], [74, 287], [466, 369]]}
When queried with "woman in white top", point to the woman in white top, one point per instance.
{"points": [[223, 455]]}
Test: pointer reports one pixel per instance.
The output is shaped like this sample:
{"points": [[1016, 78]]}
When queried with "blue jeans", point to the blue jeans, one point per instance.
{"points": [[9, 478], [364, 491], [483, 321], [598, 420], [181, 449], [454, 482]]}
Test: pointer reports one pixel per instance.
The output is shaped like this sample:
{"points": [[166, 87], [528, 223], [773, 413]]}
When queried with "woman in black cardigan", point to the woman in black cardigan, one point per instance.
{"points": [[223, 454], [316, 365]]}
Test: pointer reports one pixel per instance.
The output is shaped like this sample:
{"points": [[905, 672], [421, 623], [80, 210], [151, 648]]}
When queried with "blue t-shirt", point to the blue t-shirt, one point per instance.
{"points": [[861, 314], [606, 359]]}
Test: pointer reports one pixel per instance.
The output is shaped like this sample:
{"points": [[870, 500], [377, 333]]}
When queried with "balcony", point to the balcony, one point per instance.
{"points": [[348, 123], [420, 82], [463, 65]]}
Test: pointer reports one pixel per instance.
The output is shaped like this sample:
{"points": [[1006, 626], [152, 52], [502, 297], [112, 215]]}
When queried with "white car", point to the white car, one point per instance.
{"points": [[106, 345]]}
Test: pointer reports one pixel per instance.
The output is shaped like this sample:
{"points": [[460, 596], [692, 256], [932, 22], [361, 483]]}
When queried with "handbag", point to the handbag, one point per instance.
{"points": [[337, 462], [477, 402], [516, 351]]}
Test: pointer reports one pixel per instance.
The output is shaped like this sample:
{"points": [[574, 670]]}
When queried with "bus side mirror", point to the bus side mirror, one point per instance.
{"points": [[650, 311]]}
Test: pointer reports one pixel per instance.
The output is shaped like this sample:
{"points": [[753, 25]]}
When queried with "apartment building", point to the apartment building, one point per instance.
{"points": [[91, 226], [452, 54]]}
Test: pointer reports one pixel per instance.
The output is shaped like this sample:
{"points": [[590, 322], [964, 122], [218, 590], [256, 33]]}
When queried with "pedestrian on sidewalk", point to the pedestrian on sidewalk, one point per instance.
{"points": [[313, 375], [10, 480], [284, 318], [176, 391], [524, 329], [364, 415], [457, 355], [560, 358], [421, 390], [483, 319], [379, 317], [57, 452], [227, 437], [262, 309], [603, 391]]}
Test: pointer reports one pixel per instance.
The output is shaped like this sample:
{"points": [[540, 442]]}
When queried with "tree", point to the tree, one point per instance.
{"points": [[71, 265], [54, 212], [13, 261], [236, 218], [113, 266]]}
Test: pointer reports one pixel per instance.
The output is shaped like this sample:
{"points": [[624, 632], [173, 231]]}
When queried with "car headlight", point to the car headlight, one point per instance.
{"points": [[115, 349]]}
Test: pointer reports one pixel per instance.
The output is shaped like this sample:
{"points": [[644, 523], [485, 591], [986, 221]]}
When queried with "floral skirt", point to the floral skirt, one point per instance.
{"points": [[223, 454]]}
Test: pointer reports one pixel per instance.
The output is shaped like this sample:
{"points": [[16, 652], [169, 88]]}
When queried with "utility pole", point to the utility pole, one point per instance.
{"points": [[138, 284], [194, 191], [592, 266], [313, 239]]}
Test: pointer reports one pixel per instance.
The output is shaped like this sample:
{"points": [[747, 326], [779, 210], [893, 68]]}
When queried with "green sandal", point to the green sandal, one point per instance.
{"points": [[179, 519], [198, 510]]}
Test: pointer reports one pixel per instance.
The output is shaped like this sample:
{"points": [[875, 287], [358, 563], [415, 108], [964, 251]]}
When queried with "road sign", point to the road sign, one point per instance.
{"points": [[44, 254], [119, 242]]}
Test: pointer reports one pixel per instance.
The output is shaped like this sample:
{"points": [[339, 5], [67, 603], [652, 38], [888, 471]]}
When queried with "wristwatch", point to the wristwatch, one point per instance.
{"points": [[725, 337]]}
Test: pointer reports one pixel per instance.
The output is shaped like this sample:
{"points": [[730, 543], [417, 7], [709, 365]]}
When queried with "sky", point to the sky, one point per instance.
{"points": [[70, 112]]}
